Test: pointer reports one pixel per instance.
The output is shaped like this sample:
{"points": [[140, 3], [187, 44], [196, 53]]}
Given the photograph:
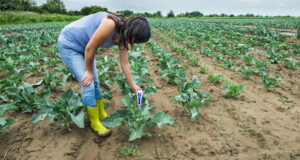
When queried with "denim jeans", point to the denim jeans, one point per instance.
{"points": [[74, 60]]}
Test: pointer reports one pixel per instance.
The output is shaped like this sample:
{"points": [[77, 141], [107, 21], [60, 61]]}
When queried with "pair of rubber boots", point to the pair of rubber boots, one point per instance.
{"points": [[96, 114]]}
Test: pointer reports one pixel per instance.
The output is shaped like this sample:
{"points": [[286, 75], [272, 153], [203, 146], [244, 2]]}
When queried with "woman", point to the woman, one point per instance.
{"points": [[77, 44]]}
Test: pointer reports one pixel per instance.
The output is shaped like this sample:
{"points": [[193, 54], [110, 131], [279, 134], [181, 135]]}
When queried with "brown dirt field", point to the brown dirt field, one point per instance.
{"points": [[255, 126]]}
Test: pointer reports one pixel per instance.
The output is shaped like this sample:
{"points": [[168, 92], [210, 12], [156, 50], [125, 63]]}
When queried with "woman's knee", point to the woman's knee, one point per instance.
{"points": [[90, 87], [88, 95]]}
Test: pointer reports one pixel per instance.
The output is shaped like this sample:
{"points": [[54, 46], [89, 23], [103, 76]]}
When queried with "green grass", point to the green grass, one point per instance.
{"points": [[31, 17]]}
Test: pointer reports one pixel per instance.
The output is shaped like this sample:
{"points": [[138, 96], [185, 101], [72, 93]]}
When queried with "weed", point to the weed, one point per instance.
{"points": [[287, 100], [128, 151]]}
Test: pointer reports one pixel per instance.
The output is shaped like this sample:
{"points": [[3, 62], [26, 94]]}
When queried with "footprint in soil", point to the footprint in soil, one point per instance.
{"points": [[99, 140]]}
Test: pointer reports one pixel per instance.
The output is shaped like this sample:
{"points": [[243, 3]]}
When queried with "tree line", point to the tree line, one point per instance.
{"points": [[57, 6], [51, 6]]}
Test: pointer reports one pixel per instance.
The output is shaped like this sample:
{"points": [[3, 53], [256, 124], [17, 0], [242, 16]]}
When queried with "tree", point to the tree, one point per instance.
{"points": [[146, 14], [196, 14], [224, 15], [142, 14], [171, 14], [191, 14], [126, 13], [181, 15], [17, 5], [187, 14], [91, 10], [54, 6], [74, 13], [213, 15], [157, 14], [249, 15]]}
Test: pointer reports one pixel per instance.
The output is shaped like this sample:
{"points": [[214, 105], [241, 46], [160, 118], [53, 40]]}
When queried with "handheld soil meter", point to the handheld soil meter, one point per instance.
{"points": [[139, 98]]}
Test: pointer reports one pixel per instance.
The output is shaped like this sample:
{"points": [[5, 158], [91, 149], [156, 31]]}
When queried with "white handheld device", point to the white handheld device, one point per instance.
{"points": [[139, 98]]}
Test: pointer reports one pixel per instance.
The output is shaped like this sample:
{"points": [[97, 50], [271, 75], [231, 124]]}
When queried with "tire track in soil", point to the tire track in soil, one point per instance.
{"points": [[247, 113]]}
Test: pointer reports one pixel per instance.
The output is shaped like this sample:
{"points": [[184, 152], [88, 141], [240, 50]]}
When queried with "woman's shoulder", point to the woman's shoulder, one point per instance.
{"points": [[102, 12], [108, 22]]}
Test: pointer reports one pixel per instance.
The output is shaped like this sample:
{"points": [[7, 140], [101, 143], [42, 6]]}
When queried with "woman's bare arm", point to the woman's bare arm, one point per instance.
{"points": [[126, 69], [102, 33]]}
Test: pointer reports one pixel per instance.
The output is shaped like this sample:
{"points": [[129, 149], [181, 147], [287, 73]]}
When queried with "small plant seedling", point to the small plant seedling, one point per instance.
{"points": [[248, 59], [161, 138], [232, 90], [287, 100], [286, 54], [215, 78], [194, 61], [274, 57], [12, 147], [247, 72], [229, 63], [219, 57], [270, 82], [251, 130], [19, 157], [190, 98], [5, 123], [128, 151], [203, 69], [25, 138], [291, 64], [268, 154]]}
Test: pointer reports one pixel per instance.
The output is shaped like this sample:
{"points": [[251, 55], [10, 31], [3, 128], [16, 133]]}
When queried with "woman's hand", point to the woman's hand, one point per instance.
{"points": [[135, 88], [88, 77]]}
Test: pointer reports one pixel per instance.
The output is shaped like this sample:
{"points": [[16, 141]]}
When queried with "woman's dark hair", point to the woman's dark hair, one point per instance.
{"points": [[133, 30]]}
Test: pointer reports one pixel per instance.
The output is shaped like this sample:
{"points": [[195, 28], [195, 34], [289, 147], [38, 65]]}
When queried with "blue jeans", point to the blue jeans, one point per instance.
{"points": [[74, 60]]}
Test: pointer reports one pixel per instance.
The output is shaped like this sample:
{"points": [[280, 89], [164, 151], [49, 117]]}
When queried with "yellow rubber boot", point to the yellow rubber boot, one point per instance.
{"points": [[96, 125], [100, 106]]}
